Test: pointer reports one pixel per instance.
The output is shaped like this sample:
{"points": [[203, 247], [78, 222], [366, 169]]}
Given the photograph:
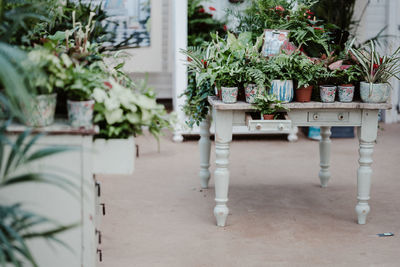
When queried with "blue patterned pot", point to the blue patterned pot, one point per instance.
{"points": [[346, 93], [283, 89], [379, 92], [327, 93], [229, 94], [41, 111], [80, 113]]}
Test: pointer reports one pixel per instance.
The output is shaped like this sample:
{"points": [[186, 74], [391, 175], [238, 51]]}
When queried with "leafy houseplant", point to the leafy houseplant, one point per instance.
{"points": [[121, 111], [377, 70], [268, 105], [47, 75]]}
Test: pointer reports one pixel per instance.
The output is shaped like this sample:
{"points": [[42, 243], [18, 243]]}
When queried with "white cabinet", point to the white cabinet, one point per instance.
{"points": [[59, 205]]}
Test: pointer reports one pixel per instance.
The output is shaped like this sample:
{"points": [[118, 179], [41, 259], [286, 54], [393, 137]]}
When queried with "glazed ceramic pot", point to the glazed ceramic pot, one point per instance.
{"points": [[303, 94], [268, 116], [80, 113], [283, 89], [251, 91], [374, 92], [327, 93], [229, 94], [41, 110], [346, 92]]}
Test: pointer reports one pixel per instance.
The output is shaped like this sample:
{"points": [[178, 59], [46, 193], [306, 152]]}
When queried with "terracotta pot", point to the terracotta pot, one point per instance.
{"points": [[268, 116], [303, 94]]}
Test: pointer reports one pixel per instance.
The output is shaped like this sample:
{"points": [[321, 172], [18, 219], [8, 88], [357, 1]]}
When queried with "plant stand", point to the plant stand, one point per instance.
{"points": [[325, 115]]}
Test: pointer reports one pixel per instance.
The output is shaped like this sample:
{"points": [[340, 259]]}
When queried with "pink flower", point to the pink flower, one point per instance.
{"points": [[279, 8], [108, 84], [201, 10], [212, 8]]}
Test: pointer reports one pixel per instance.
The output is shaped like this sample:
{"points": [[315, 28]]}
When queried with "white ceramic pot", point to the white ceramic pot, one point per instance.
{"points": [[41, 110], [375, 92], [114, 156], [229, 94], [80, 113]]}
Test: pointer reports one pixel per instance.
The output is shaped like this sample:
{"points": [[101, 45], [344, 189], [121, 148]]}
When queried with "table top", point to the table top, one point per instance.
{"points": [[59, 127], [241, 105]]}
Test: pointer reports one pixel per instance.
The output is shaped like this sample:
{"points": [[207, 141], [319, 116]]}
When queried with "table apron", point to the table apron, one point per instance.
{"points": [[324, 117]]}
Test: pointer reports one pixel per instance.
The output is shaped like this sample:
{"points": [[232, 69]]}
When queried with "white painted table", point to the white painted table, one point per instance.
{"points": [[325, 115]]}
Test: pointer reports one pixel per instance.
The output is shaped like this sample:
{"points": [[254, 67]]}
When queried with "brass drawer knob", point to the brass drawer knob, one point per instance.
{"points": [[258, 126]]}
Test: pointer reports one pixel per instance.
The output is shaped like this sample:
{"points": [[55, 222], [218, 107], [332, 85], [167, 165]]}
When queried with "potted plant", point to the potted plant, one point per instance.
{"points": [[377, 70], [79, 94], [46, 75], [347, 75], [268, 105], [280, 71], [256, 79], [307, 72], [121, 112]]}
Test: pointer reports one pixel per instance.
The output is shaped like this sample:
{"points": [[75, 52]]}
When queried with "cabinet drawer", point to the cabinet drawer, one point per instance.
{"points": [[328, 116], [273, 126]]}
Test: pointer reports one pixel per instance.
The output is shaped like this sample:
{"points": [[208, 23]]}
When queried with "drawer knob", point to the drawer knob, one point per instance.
{"points": [[315, 116], [280, 127], [340, 116], [258, 126]]}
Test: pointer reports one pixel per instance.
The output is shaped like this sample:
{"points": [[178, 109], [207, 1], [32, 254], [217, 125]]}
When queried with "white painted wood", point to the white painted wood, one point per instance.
{"points": [[325, 154], [360, 114], [367, 135], [223, 136], [59, 205], [240, 105], [180, 70], [205, 148], [114, 156]]}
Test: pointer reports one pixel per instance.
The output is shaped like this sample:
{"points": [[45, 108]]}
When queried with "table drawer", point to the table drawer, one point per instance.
{"points": [[322, 116], [274, 126]]}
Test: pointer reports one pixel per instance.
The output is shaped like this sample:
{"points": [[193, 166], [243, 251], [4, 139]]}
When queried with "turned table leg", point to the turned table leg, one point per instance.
{"points": [[204, 148], [325, 154], [223, 136], [366, 135]]}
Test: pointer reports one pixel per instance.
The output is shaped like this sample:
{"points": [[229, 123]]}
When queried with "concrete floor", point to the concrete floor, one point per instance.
{"points": [[279, 216]]}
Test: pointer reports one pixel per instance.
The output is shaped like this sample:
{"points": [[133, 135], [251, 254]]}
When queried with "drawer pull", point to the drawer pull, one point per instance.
{"points": [[103, 206], [100, 252], [98, 233], [341, 116], [280, 127], [258, 126], [98, 185], [316, 116]]}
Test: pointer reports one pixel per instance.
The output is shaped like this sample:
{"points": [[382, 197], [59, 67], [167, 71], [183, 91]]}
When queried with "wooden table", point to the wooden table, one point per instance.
{"points": [[362, 115]]}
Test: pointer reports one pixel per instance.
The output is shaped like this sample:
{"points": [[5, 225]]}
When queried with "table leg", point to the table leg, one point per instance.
{"points": [[292, 137], [204, 148], [366, 135], [325, 154], [223, 136]]}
